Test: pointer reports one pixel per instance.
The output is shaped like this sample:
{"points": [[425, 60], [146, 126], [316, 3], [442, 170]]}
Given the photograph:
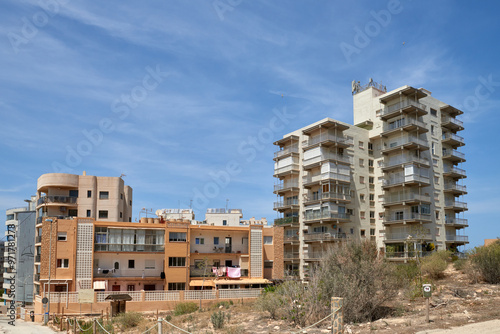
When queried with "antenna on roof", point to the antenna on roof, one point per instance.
{"points": [[227, 201], [122, 175]]}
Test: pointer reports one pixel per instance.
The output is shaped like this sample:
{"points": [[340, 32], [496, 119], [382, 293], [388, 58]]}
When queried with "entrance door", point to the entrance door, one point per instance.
{"points": [[228, 244], [229, 263], [115, 288]]}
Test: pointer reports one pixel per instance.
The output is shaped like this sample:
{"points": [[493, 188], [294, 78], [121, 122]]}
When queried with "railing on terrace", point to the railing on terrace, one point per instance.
{"points": [[291, 255], [403, 160], [37, 278], [397, 197], [203, 294], [409, 254], [57, 199], [325, 215], [38, 258], [324, 236], [406, 178], [126, 272], [101, 296], [288, 238], [406, 216], [408, 235], [326, 137], [326, 176], [200, 272], [406, 140], [314, 255], [457, 204], [326, 156], [286, 220], [452, 120], [453, 136], [401, 105], [239, 293], [459, 238], [454, 186], [161, 295], [288, 150], [289, 168], [335, 196], [38, 239], [286, 185], [281, 204], [101, 247], [454, 153], [402, 123], [458, 221]]}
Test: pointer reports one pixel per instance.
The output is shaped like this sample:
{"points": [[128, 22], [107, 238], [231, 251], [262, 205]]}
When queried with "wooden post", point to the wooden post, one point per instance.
{"points": [[61, 322], [156, 314], [427, 315], [160, 324], [338, 315], [74, 324], [94, 326]]}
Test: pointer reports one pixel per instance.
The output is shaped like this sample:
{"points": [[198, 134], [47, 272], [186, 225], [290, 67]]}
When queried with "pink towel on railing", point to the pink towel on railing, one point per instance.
{"points": [[233, 272]]}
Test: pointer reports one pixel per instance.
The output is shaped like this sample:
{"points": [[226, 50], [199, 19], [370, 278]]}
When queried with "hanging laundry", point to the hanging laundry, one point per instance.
{"points": [[233, 272]]}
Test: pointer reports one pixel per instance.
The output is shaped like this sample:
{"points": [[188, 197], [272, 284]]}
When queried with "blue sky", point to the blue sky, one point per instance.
{"points": [[185, 98]]}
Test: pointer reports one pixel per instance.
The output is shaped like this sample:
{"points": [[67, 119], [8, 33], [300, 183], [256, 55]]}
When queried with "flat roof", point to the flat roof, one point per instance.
{"points": [[328, 123], [405, 90], [286, 140]]}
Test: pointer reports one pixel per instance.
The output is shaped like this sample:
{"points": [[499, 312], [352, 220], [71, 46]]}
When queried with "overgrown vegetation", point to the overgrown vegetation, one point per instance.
{"points": [[185, 308], [218, 319], [128, 320], [435, 264], [486, 260]]}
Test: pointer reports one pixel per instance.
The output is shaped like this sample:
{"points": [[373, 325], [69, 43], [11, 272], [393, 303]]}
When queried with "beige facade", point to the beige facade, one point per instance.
{"points": [[393, 177]]}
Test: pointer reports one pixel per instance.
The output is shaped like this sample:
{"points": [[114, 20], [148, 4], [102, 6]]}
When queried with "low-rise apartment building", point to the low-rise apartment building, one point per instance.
{"points": [[392, 177]]}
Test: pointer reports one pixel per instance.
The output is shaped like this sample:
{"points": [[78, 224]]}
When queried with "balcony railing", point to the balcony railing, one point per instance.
{"points": [[282, 204], [454, 186], [457, 221], [405, 141], [314, 255], [38, 239], [129, 272], [37, 277], [289, 168], [452, 120], [458, 238], [453, 153], [326, 156], [102, 247], [317, 215], [455, 170], [335, 196], [397, 197], [286, 220], [285, 151], [404, 160], [286, 185], [409, 254], [324, 236], [453, 137], [401, 105], [291, 255], [403, 123], [38, 258], [291, 238], [57, 199], [456, 204], [408, 235], [326, 137], [405, 179], [406, 216]]}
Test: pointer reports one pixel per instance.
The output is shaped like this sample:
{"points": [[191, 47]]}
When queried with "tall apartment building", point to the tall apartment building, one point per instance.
{"points": [[68, 196], [393, 177], [20, 230]]}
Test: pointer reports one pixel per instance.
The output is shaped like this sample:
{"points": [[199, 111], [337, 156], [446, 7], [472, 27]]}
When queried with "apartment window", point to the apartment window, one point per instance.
{"points": [[121, 196], [362, 179], [130, 287], [399, 215], [121, 214], [361, 162], [177, 237], [150, 264], [435, 162], [370, 148], [372, 214], [372, 197], [117, 265], [62, 263], [350, 212], [73, 193], [103, 214], [62, 236], [436, 179], [363, 233], [371, 180], [268, 240], [131, 264], [130, 202], [89, 193], [216, 240], [352, 230], [437, 214], [320, 229], [199, 241], [434, 112], [434, 148], [361, 197], [89, 213], [176, 261], [361, 145], [432, 129], [103, 194], [362, 214], [370, 163], [268, 264], [176, 286], [224, 222]]}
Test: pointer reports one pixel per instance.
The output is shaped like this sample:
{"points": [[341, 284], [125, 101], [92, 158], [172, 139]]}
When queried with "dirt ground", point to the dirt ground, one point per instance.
{"points": [[455, 302]]}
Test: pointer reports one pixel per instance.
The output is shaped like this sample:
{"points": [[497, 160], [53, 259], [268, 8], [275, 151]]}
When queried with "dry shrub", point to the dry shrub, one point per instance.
{"points": [[486, 261], [435, 264]]}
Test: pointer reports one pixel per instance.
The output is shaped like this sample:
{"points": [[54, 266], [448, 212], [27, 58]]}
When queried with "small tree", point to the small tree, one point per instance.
{"points": [[486, 259]]}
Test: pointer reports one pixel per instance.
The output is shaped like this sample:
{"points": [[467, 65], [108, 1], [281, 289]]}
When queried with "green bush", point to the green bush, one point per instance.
{"points": [[224, 304], [218, 319], [185, 308], [128, 320], [486, 260], [460, 264], [435, 264]]}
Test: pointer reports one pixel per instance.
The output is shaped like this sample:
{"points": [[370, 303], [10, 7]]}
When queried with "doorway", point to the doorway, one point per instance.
{"points": [[115, 288]]}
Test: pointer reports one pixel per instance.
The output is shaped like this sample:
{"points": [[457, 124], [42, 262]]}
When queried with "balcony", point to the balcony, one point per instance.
{"points": [[326, 156], [103, 247], [287, 221], [454, 172], [453, 155], [287, 204], [285, 152], [395, 256], [412, 179], [455, 189], [291, 255], [326, 215], [407, 106], [117, 273], [286, 187], [452, 123], [310, 180], [38, 258], [455, 206], [291, 238], [404, 124], [326, 139], [287, 170], [457, 222], [407, 143], [332, 196], [405, 198], [37, 278], [314, 237], [403, 236], [406, 217], [401, 161], [38, 239], [453, 139], [314, 256], [457, 239], [57, 200]]}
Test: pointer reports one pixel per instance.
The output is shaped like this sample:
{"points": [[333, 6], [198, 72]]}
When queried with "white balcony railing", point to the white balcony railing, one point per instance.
{"points": [[401, 105], [454, 186], [316, 215], [452, 120], [459, 238], [457, 221], [286, 185], [397, 217], [326, 156], [405, 179], [404, 160], [456, 204], [324, 137], [406, 140], [403, 123], [285, 151], [398, 197], [289, 168], [405, 236]]}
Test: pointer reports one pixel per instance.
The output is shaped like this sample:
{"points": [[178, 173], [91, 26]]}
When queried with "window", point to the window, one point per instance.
{"points": [[268, 264], [103, 194], [130, 287], [436, 179], [372, 197], [372, 214], [89, 193], [103, 214], [399, 215], [361, 145], [177, 237], [224, 222], [434, 148], [176, 286], [352, 230], [200, 241], [62, 236], [73, 193], [361, 162], [350, 212], [150, 264], [131, 264], [372, 231], [362, 214], [437, 214], [121, 196], [361, 197], [370, 163], [62, 263], [370, 148], [268, 240], [320, 229], [363, 233], [432, 129], [216, 240], [130, 202], [425, 209], [121, 214], [434, 112], [362, 179], [89, 213], [117, 265], [176, 261]]}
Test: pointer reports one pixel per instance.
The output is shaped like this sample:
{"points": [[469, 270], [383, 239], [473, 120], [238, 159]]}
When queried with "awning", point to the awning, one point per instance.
{"points": [[243, 281], [98, 285], [119, 297], [199, 282]]}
